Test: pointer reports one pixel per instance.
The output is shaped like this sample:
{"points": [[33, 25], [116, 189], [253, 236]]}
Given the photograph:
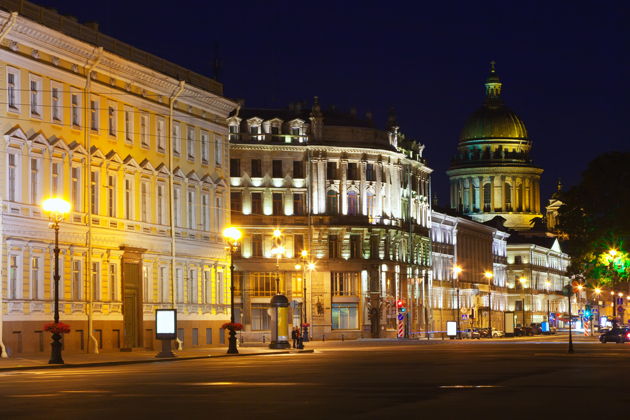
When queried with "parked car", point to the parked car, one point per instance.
{"points": [[497, 333], [616, 335], [471, 333], [536, 328]]}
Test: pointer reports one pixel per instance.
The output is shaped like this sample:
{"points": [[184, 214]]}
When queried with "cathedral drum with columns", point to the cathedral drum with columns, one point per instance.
{"points": [[492, 173]]}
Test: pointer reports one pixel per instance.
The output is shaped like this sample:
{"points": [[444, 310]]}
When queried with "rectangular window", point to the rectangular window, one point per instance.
{"points": [[298, 245], [96, 281], [77, 290], [111, 120], [13, 89], [257, 203], [113, 283], [344, 283], [36, 97], [355, 246], [298, 204], [207, 287], [76, 110], [56, 103], [15, 277], [161, 134], [94, 115], [160, 204], [190, 142], [144, 131], [352, 172], [77, 186], [190, 206], [277, 203], [298, 169], [179, 285], [129, 199], [147, 284], [177, 206], [218, 217], [192, 286], [164, 286], [218, 151], [208, 336], [205, 147], [235, 167], [257, 248], [263, 284], [57, 178], [276, 168], [12, 176], [144, 201], [111, 196], [35, 193], [220, 289], [256, 168], [331, 170], [345, 316], [236, 202], [370, 175], [205, 212], [260, 317], [333, 246], [195, 336], [177, 138], [37, 287], [233, 129], [128, 125]]}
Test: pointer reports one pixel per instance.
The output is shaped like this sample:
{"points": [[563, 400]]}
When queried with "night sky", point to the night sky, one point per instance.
{"points": [[564, 64]]}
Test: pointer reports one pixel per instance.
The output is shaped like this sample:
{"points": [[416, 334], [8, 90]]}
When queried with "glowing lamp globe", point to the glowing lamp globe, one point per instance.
{"points": [[57, 206], [232, 233]]}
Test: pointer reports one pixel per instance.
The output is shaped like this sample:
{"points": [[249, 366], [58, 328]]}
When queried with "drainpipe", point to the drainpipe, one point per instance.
{"points": [[3, 350], [87, 140], [171, 206]]}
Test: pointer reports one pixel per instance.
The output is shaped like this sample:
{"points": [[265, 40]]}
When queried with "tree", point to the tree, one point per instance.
{"points": [[596, 217]]}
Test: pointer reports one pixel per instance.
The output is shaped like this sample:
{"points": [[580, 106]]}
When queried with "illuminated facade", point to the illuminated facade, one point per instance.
{"points": [[354, 197], [492, 173], [139, 149], [475, 249]]}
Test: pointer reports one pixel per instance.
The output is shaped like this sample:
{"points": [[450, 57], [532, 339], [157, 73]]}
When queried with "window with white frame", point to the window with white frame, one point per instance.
{"points": [[13, 175], [94, 115], [36, 96], [147, 283], [96, 280], [160, 204], [179, 285], [94, 191], [205, 212], [111, 195], [207, 286], [77, 286], [218, 151], [144, 130], [35, 182], [129, 195], [128, 125], [164, 286], [161, 134], [205, 147], [56, 178], [192, 286], [345, 316], [14, 288], [220, 290], [177, 138], [191, 209], [113, 282], [76, 188], [111, 120], [190, 142], [144, 201], [218, 216], [177, 205], [56, 102], [75, 109], [37, 278], [13, 89]]}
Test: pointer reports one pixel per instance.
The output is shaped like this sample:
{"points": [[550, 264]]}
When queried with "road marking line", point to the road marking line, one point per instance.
{"points": [[469, 386]]}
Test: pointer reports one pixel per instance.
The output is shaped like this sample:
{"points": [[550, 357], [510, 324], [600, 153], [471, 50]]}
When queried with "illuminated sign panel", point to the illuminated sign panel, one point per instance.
{"points": [[166, 324], [451, 328]]}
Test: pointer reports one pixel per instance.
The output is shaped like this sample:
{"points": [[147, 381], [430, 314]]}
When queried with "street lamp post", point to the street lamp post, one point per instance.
{"points": [[456, 271], [232, 235], [56, 208]]}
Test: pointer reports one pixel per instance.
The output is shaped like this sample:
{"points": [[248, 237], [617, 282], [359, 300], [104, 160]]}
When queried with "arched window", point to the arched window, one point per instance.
{"points": [[487, 196], [353, 203], [332, 202], [370, 204]]}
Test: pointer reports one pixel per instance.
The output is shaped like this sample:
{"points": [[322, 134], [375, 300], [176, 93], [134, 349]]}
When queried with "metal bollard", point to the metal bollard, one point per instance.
{"points": [[342, 338], [263, 338], [324, 337]]}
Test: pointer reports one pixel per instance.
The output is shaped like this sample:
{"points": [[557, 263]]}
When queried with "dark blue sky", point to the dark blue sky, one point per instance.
{"points": [[564, 64]]}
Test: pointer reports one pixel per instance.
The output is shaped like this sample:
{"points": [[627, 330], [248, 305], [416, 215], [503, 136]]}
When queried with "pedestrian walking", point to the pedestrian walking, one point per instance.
{"points": [[295, 335]]}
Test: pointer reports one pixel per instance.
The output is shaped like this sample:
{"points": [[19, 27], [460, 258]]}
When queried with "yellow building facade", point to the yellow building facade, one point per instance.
{"points": [[138, 146]]}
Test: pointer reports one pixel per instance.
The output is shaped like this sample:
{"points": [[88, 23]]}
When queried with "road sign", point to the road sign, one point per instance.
{"points": [[401, 317]]}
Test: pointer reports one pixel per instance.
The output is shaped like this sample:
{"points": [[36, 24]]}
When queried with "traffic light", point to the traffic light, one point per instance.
{"points": [[587, 311], [576, 286], [401, 306]]}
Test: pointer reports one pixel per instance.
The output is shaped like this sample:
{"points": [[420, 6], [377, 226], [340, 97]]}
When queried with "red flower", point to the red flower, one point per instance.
{"points": [[232, 326], [57, 328]]}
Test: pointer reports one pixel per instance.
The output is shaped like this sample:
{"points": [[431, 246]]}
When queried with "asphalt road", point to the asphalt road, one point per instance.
{"points": [[358, 380]]}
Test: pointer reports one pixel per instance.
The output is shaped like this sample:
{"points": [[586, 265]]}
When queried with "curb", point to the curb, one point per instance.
{"points": [[135, 362]]}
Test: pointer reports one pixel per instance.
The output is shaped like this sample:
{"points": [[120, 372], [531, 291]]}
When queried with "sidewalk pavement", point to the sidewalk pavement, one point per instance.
{"points": [[73, 360]]}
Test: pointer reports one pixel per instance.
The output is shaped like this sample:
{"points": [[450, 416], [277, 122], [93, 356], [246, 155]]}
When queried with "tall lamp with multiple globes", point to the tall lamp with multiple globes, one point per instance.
{"points": [[57, 209], [232, 235]]}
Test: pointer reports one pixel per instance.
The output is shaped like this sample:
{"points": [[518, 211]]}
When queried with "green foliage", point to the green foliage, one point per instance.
{"points": [[596, 216]]}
